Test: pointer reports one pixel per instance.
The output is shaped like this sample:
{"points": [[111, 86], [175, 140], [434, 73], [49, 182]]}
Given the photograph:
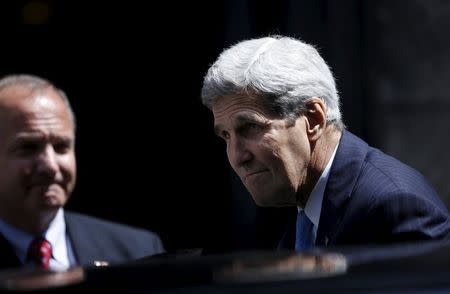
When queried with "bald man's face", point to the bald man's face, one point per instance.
{"points": [[37, 158]]}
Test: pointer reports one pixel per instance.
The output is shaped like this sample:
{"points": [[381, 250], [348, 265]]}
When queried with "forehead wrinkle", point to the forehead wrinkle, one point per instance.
{"points": [[249, 115], [249, 110], [32, 121], [218, 127]]}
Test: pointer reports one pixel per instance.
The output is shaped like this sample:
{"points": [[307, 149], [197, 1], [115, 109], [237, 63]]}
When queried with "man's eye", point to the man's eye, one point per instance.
{"points": [[253, 126], [61, 147], [249, 129], [28, 148], [225, 135]]}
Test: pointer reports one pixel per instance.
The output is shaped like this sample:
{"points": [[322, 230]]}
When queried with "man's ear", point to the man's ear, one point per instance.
{"points": [[316, 118]]}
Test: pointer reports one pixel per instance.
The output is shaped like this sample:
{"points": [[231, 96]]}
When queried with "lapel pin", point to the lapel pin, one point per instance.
{"points": [[100, 263]]}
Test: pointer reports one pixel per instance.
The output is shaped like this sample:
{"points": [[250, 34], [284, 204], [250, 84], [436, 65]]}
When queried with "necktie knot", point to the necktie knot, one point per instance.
{"points": [[304, 232], [40, 252]]}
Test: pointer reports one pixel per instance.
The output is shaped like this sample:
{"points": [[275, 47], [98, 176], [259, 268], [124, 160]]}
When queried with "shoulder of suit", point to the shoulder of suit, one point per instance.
{"points": [[91, 221]]}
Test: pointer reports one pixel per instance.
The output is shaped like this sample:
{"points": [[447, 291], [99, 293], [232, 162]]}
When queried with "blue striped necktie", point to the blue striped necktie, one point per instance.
{"points": [[304, 233]]}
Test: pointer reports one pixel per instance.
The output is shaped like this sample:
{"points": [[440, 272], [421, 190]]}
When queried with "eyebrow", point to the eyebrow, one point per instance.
{"points": [[38, 136], [240, 118]]}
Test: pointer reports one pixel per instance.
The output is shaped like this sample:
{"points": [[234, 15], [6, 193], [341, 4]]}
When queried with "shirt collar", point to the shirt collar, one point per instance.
{"points": [[55, 234], [313, 206]]}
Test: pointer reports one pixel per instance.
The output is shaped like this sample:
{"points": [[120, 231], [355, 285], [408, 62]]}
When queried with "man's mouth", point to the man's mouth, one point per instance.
{"points": [[49, 187], [251, 174]]}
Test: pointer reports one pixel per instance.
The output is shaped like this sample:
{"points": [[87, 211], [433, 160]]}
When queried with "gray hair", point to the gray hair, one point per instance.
{"points": [[35, 83], [284, 71]]}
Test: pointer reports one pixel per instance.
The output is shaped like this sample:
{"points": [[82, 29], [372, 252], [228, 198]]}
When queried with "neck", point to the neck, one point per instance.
{"points": [[34, 224], [321, 152]]}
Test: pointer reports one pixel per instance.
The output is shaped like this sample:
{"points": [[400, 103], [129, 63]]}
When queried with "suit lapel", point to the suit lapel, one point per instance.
{"points": [[85, 252], [344, 172], [9, 258]]}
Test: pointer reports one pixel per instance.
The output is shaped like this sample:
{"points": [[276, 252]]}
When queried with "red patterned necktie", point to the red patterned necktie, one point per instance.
{"points": [[40, 252]]}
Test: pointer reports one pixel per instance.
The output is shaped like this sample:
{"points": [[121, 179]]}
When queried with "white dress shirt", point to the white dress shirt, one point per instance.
{"points": [[313, 206]]}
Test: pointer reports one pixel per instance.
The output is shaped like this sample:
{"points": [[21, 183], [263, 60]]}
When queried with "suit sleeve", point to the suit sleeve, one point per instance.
{"points": [[409, 216]]}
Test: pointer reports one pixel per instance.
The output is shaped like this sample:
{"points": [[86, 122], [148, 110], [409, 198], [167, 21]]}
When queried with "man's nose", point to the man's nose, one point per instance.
{"points": [[238, 153], [47, 161]]}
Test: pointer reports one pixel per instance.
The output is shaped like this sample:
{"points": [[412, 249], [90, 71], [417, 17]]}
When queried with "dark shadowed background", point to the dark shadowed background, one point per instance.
{"points": [[147, 155]]}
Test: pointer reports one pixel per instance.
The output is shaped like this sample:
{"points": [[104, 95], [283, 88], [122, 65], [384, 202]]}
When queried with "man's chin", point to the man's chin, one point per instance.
{"points": [[52, 202], [48, 202], [52, 199], [52, 196], [265, 200]]}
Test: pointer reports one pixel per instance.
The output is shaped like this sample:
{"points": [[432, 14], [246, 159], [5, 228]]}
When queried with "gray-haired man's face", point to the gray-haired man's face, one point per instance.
{"points": [[270, 155]]}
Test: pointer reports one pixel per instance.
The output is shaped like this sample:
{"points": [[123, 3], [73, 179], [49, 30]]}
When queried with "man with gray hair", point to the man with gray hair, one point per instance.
{"points": [[275, 104]]}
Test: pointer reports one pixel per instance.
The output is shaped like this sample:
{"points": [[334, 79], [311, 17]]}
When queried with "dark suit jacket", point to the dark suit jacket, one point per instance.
{"points": [[94, 239], [372, 198]]}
